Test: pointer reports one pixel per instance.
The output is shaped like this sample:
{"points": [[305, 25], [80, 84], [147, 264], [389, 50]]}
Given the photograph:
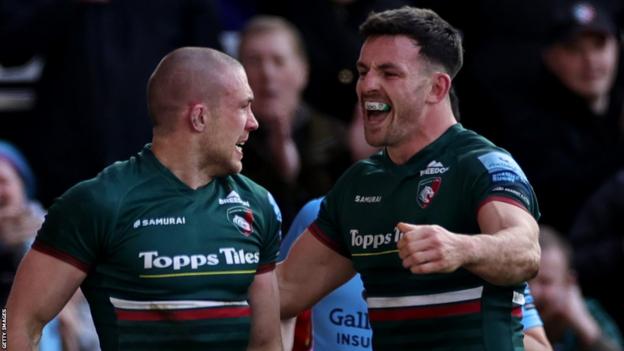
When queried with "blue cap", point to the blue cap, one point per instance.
{"points": [[14, 156]]}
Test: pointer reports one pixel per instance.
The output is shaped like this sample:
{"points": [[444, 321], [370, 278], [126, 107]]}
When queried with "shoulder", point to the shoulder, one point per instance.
{"points": [[253, 190], [105, 190], [245, 184], [477, 153], [374, 164]]}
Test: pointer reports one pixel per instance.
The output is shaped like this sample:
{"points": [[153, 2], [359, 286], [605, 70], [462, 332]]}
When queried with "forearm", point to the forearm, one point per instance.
{"points": [[310, 271], [603, 344], [506, 257], [508, 251], [23, 334], [33, 301], [286, 158], [274, 345], [265, 324], [290, 304], [288, 333], [590, 335]]}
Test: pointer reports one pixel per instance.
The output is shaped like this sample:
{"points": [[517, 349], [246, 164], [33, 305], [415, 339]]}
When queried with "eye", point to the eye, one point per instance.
{"points": [[390, 74], [361, 70]]}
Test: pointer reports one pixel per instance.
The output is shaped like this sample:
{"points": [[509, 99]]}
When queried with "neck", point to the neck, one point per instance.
{"points": [[430, 128], [180, 158]]}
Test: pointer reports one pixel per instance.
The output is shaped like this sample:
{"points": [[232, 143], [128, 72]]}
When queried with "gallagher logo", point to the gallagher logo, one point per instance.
{"points": [[427, 189], [242, 219]]}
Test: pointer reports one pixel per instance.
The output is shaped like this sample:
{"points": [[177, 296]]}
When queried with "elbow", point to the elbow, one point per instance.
{"points": [[533, 253], [286, 301], [288, 309], [286, 314], [534, 262], [530, 265]]}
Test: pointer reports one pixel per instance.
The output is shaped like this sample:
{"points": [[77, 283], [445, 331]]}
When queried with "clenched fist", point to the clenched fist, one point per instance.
{"points": [[431, 249]]}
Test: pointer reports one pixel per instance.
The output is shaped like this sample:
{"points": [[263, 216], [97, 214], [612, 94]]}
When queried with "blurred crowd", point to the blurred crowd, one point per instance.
{"points": [[542, 78]]}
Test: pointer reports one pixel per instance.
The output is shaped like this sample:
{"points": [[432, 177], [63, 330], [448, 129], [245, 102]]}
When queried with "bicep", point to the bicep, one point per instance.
{"points": [[42, 286], [496, 216], [310, 271], [264, 303]]}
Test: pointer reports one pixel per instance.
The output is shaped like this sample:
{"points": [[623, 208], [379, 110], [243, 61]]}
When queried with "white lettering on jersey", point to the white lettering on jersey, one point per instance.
{"points": [[374, 240], [231, 256], [233, 198], [146, 222]]}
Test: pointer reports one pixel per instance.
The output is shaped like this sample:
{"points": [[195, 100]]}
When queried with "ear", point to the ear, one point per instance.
{"points": [[440, 86], [198, 116]]}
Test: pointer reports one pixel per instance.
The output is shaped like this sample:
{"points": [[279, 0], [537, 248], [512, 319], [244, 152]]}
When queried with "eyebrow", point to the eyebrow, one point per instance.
{"points": [[383, 66]]}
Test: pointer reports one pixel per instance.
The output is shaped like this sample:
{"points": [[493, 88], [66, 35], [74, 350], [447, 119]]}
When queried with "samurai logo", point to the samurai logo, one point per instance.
{"points": [[427, 188], [242, 219]]}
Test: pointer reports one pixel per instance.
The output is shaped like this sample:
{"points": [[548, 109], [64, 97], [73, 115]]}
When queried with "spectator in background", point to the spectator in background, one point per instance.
{"points": [[598, 240], [20, 218], [90, 109], [571, 322], [330, 30], [568, 135], [297, 153], [20, 215]]}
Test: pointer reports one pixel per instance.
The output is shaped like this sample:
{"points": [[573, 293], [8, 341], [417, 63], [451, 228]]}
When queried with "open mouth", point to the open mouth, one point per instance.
{"points": [[239, 146], [373, 106], [376, 110]]}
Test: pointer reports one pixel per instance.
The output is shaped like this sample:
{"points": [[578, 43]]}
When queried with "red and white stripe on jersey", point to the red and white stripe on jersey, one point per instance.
{"points": [[450, 303], [178, 309]]}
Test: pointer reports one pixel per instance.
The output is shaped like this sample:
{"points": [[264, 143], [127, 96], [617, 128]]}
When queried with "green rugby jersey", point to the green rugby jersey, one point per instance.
{"points": [[168, 266], [446, 183]]}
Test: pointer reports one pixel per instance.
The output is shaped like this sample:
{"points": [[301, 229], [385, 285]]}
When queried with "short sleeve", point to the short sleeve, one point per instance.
{"points": [[326, 228], [271, 243], [75, 227], [500, 178]]}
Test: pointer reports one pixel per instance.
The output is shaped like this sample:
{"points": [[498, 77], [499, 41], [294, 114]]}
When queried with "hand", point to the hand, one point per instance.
{"points": [[430, 249], [574, 312], [283, 148]]}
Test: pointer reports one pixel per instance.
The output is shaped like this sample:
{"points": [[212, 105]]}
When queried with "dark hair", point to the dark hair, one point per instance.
{"points": [[440, 42]]}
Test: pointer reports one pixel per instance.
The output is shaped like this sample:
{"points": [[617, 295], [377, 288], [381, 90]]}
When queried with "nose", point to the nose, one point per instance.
{"points": [[367, 83], [252, 122], [267, 70]]}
